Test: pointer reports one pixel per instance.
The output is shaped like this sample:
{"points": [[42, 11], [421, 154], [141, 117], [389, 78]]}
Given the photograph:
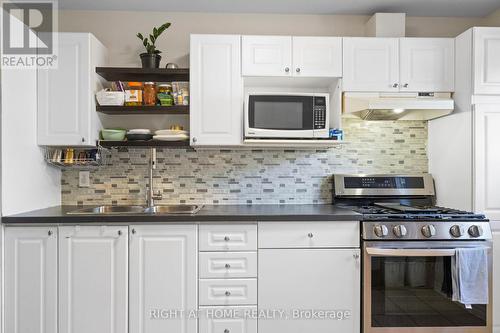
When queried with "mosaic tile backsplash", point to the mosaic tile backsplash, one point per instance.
{"points": [[253, 176]]}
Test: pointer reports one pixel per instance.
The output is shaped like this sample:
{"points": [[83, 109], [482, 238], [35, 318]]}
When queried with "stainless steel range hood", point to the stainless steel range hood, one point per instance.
{"points": [[397, 106]]}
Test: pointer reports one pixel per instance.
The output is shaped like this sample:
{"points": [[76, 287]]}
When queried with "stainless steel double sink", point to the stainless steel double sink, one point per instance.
{"points": [[156, 210]]}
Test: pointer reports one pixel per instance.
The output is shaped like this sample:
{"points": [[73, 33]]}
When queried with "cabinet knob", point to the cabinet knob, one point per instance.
{"points": [[297, 70], [405, 85], [226, 331], [287, 69], [194, 140], [226, 238], [228, 293], [310, 235], [227, 266], [49, 233], [83, 139], [133, 231], [395, 85], [119, 232], [356, 256]]}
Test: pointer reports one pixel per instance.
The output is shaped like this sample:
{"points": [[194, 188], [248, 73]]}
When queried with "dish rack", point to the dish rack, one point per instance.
{"points": [[83, 158]]}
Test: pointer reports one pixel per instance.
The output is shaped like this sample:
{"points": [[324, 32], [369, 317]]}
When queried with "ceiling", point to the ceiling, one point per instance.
{"points": [[464, 8]]}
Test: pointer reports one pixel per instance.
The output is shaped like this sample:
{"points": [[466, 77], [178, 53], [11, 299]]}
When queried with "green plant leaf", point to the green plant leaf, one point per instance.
{"points": [[155, 32], [152, 39], [140, 36], [157, 52]]}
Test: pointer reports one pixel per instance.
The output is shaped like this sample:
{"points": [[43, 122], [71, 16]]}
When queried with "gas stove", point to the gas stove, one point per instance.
{"points": [[402, 207]]}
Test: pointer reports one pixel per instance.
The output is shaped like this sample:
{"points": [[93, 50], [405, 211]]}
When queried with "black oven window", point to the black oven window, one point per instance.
{"points": [[416, 292], [279, 115]]}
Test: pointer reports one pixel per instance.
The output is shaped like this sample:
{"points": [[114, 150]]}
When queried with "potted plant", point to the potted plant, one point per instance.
{"points": [[151, 58]]}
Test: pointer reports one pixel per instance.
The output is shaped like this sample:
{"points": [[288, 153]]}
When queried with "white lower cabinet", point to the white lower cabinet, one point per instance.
{"points": [[163, 278], [225, 319], [30, 279], [93, 283], [301, 281]]}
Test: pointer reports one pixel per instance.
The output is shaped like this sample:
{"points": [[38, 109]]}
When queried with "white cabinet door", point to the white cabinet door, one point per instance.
{"points": [[487, 160], [309, 279], [30, 279], [66, 106], [371, 64], [216, 112], [317, 56], [487, 61], [93, 281], [163, 277], [427, 64], [496, 281], [266, 55]]}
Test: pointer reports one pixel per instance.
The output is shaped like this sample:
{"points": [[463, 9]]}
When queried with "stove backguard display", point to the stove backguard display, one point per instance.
{"points": [[384, 182]]}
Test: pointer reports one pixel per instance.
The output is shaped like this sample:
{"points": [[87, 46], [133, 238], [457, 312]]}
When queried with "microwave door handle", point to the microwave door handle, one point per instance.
{"points": [[384, 252]]}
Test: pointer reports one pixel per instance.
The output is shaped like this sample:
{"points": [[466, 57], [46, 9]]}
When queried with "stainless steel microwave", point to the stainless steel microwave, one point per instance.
{"points": [[287, 115]]}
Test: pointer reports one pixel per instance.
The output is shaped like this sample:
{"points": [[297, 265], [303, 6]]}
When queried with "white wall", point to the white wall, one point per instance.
{"points": [[27, 181], [117, 29]]}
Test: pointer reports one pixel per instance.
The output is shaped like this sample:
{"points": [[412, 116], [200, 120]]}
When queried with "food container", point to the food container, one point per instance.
{"points": [[165, 99], [181, 93], [165, 88], [106, 97], [133, 94], [149, 93], [113, 134]]}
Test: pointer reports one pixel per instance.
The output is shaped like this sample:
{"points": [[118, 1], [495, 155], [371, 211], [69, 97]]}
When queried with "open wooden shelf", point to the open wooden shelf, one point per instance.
{"points": [[144, 144], [139, 110], [143, 74]]}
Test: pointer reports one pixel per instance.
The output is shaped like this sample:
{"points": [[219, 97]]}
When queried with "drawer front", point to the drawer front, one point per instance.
{"points": [[228, 265], [228, 292], [228, 319], [228, 237], [308, 234]]}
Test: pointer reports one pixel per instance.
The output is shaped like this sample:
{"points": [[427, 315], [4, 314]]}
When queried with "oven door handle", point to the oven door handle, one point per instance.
{"points": [[376, 251]]}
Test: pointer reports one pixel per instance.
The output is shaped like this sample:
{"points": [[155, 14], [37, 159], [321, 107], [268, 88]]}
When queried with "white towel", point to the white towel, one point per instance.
{"points": [[469, 270]]}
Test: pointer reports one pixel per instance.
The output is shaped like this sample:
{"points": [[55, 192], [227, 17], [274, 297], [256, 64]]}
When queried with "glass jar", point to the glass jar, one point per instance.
{"points": [[165, 88], [133, 94], [149, 93]]}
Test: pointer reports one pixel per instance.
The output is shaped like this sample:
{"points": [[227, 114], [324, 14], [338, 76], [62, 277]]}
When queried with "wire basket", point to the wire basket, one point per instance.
{"points": [[76, 158]]}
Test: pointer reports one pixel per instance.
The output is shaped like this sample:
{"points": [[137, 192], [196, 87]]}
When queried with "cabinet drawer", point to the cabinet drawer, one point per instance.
{"points": [[225, 319], [308, 234], [228, 264], [228, 292], [228, 237]]}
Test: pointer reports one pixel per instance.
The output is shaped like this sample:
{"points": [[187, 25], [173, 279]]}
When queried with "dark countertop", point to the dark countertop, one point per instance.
{"points": [[209, 213]]}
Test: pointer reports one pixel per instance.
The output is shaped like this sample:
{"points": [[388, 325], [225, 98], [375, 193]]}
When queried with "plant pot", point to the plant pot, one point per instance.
{"points": [[149, 60]]}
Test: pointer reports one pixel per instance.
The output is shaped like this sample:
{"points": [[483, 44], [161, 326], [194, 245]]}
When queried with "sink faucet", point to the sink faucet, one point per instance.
{"points": [[151, 195]]}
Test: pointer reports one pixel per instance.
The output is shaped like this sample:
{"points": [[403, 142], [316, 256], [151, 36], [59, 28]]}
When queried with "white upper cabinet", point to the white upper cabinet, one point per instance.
{"points": [[371, 64], [93, 281], [216, 111], [30, 279], [486, 61], [266, 55], [66, 95], [317, 56], [163, 276], [399, 64], [427, 64], [487, 160], [291, 56]]}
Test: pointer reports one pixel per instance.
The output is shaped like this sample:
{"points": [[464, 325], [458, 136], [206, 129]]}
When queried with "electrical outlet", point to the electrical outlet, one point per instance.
{"points": [[84, 179]]}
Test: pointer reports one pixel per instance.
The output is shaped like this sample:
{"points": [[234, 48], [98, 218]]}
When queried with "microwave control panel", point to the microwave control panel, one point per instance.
{"points": [[319, 111]]}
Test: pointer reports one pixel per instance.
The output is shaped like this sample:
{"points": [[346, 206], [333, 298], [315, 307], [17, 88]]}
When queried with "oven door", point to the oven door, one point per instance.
{"points": [[279, 116], [407, 289]]}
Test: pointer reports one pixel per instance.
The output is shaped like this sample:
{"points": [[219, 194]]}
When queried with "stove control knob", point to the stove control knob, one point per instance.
{"points": [[399, 231], [456, 231], [428, 231], [380, 230], [475, 231]]}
